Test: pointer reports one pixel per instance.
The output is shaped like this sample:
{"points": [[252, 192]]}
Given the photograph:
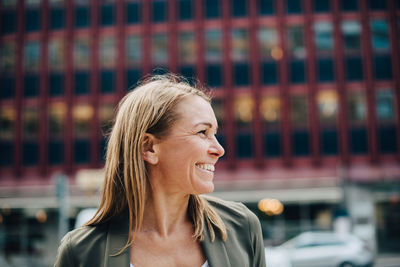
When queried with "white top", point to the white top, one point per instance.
{"points": [[204, 265]]}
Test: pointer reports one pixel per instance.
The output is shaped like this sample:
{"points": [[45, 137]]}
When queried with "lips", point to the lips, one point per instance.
{"points": [[205, 166]]}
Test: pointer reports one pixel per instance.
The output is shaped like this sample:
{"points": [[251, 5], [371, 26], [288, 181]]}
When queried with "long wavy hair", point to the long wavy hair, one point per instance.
{"points": [[149, 108]]}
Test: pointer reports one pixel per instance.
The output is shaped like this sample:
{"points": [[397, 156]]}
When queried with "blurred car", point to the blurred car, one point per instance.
{"points": [[321, 249]]}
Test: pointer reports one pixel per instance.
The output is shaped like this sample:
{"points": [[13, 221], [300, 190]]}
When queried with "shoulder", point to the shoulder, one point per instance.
{"points": [[79, 243], [233, 213]]}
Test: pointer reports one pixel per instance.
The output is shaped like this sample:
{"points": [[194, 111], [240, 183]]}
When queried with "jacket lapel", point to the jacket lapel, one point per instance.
{"points": [[215, 251], [116, 238]]}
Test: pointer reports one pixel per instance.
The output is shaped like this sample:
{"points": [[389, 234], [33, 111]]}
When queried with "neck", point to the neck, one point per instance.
{"points": [[165, 213]]}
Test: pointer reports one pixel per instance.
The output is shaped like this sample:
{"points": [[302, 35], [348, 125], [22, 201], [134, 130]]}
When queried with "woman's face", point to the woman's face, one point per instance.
{"points": [[187, 155]]}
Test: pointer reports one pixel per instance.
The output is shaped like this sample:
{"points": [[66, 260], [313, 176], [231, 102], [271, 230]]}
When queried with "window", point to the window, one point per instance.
{"points": [[56, 54], [351, 31], [159, 8], [187, 54], [240, 55], [321, 6], [218, 107], [107, 13], [56, 119], [324, 49], [7, 57], [107, 52], [30, 145], [82, 115], [212, 9], [243, 114], [297, 54], [31, 56], [238, 8], [82, 82], [299, 119], [270, 109], [213, 55], [57, 15], [185, 9], [7, 132], [349, 5], [81, 52], [385, 114], [381, 49], [294, 6], [266, 7], [32, 17], [133, 49], [82, 13], [159, 48], [133, 11], [106, 115], [327, 103], [357, 127], [8, 20], [377, 5]]}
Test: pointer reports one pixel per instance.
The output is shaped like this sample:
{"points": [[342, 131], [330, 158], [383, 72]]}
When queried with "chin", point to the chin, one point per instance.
{"points": [[206, 189]]}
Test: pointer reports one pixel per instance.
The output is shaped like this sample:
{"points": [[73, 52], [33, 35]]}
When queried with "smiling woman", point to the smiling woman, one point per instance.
{"points": [[161, 157]]}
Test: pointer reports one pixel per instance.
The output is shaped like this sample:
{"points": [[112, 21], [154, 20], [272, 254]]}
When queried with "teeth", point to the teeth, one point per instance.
{"points": [[208, 167]]}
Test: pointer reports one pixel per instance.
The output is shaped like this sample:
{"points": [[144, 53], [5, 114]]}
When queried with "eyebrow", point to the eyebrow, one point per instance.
{"points": [[207, 124]]}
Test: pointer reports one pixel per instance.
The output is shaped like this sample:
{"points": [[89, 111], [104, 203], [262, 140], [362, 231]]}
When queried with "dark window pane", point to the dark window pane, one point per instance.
{"points": [[269, 74], [377, 4], [132, 77], [329, 142], [56, 152], [297, 72], [185, 9], [212, 8], [103, 150], [189, 72], [159, 70], [244, 146], [382, 67], [82, 151], [272, 145], [294, 6], [7, 89], [159, 10], [321, 6], [82, 17], [241, 74], [7, 153], [221, 140], [325, 70], [8, 21], [353, 67], [133, 12], [358, 141], [82, 81], [31, 85], [300, 143], [30, 153], [266, 7], [387, 141], [214, 75], [349, 5], [107, 81], [107, 15], [57, 20], [239, 8], [32, 20], [56, 84]]}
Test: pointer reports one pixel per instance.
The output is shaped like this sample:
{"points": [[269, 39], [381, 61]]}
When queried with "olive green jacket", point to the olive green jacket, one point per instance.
{"points": [[93, 246]]}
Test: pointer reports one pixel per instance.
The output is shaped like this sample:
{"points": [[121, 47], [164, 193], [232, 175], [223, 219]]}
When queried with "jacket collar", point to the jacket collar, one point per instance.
{"points": [[215, 251]]}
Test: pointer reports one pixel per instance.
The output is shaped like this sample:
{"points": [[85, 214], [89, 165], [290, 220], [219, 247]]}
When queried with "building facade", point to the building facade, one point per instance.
{"points": [[306, 92]]}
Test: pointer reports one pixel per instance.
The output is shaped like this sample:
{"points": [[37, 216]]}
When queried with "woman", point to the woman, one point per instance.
{"points": [[160, 158]]}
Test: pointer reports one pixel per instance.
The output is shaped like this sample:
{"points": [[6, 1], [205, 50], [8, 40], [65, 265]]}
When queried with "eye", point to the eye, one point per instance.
{"points": [[202, 132]]}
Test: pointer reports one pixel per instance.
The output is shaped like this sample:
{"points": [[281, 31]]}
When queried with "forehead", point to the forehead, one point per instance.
{"points": [[194, 109]]}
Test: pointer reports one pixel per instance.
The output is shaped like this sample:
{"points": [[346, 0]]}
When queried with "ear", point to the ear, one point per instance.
{"points": [[147, 149]]}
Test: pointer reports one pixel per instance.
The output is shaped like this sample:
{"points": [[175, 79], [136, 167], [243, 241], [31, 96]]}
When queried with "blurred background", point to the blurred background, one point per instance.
{"points": [[306, 92]]}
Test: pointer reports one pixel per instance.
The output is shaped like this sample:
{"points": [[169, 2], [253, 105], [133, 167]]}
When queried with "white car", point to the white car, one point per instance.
{"points": [[321, 249]]}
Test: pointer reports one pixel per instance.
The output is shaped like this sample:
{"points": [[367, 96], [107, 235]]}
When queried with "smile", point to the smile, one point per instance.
{"points": [[207, 167]]}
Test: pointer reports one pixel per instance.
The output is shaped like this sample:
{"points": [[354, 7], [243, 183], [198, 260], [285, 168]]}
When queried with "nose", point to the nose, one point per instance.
{"points": [[216, 149]]}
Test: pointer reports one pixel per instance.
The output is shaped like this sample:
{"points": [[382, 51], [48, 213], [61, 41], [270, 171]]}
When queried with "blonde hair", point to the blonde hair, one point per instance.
{"points": [[147, 109]]}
